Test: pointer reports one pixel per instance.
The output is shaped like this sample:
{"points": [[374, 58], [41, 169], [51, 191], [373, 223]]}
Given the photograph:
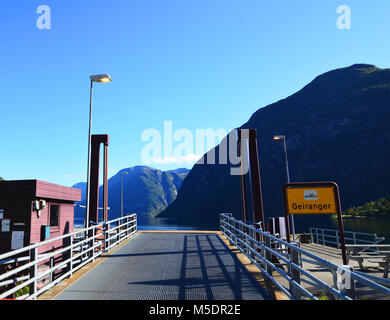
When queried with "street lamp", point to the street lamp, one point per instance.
{"points": [[123, 173], [95, 78], [276, 138]]}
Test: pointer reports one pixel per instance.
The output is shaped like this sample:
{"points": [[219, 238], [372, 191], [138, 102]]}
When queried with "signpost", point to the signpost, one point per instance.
{"points": [[313, 198]]}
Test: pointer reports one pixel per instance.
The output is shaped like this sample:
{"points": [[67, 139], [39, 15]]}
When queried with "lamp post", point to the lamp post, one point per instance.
{"points": [[123, 173], [95, 78], [276, 138]]}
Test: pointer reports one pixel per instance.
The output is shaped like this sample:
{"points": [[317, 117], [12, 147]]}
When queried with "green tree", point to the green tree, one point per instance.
{"points": [[380, 207]]}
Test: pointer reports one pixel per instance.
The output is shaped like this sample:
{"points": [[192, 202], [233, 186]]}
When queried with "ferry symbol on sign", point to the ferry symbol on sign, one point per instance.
{"points": [[310, 194]]}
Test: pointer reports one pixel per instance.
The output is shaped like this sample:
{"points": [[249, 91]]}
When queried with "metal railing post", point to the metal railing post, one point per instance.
{"points": [[252, 243], [229, 226], [90, 242], [268, 255], [93, 244], [71, 257], [235, 232], [108, 234], [241, 236], [105, 236], [247, 241], [337, 240], [323, 237], [232, 234], [295, 274], [33, 270], [51, 268]]}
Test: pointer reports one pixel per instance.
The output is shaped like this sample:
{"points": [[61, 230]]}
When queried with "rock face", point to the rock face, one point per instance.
{"points": [[336, 128], [146, 191]]}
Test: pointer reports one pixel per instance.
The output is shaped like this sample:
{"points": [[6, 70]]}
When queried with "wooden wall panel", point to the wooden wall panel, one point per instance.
{"points": [[18, 212], [16, 199], [53, 191]]}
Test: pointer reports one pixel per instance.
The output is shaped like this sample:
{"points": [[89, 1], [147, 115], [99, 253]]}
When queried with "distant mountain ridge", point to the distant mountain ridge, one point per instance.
{"points": [[146, 191], [337, 129]]}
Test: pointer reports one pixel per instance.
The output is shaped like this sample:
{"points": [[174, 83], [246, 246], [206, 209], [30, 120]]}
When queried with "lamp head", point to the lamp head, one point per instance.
{"points": [[279, 137], [100, 78]]}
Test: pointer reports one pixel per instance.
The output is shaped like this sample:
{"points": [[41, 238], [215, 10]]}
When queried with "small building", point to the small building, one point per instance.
{"points": [[32, 211]]}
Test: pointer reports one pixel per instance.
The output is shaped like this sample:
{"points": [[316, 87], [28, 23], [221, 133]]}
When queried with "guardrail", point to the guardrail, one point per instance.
{"points": [[331, 237], [79, 248], [271, 254]]}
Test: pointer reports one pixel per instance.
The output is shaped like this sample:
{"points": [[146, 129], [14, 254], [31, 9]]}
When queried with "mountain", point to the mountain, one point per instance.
{"points": [[336, 128], [146, 191]]}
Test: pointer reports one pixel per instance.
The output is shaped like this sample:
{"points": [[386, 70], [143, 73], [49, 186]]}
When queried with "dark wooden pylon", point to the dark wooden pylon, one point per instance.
{"points": [[97, 140], [242, 181], [255, 179]]}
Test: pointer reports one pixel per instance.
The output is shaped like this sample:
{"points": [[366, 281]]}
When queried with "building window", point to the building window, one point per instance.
{"points": [[54, 210]]}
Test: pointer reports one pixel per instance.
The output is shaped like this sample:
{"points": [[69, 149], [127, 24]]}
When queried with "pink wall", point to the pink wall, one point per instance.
{"points": [[65, 221]]}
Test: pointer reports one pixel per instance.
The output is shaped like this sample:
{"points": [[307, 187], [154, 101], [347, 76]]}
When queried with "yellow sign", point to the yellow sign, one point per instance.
{"points": [[311, 200]]}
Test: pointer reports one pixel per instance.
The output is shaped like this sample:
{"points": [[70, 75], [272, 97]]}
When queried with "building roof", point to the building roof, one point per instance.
{"points": [[37, 189]]}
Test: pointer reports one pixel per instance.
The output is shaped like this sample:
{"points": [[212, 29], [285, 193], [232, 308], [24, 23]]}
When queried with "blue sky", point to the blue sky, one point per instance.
{"points": [[200, 64]]}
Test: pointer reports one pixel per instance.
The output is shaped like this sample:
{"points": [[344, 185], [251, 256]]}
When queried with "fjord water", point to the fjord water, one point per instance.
{"points": [[369, 225], [162, 224]]}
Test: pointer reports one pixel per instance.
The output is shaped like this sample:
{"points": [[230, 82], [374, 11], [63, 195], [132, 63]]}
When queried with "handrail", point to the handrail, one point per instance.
{"points": [[96, 239], [259, 247], [332, 237]]}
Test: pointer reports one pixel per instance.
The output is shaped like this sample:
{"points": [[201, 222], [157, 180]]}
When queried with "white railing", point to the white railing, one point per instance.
{"points": [[79, 248], [331, 237], [271, 254]]}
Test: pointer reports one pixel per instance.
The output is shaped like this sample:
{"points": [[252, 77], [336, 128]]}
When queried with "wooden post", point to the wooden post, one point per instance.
{"points": [[257, 198], [341, 226], [105, 184], [242, 180]]}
